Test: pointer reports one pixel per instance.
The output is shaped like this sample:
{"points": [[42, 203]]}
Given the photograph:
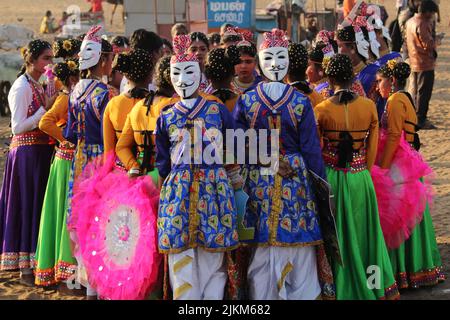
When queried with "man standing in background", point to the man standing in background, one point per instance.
{"points": [[422, 55]]}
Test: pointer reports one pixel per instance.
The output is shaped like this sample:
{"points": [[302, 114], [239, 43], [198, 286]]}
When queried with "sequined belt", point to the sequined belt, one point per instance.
{"points": [[358, 164], [119, 165], [30, 138], [65, 154]]}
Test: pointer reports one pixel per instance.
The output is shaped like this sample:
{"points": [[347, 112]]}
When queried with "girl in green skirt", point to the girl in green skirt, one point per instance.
{"points": [[414, 253], [54, 260], [348, 126]]}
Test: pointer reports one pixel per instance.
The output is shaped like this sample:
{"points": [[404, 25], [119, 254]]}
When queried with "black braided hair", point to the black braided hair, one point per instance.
{"points": [[398, 70], [146, 40], [340, 69], [247, 49], [120, 41], [214, 38], [136, 65], [33, 51], [64, 70], [220, 63], [66, 48], [162, 77], [298, 60], [199, 36]]}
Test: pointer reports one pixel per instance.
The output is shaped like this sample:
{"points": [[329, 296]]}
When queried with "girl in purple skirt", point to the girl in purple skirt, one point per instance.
{"points": [[27, 164]]}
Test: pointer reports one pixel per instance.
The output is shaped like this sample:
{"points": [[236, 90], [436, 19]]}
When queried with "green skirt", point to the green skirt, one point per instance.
{"points": [[417, 262], [367, 272], [54, 260]]}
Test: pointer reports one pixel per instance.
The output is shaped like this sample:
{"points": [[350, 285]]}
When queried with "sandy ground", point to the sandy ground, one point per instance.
{"points": [[436, 144]]}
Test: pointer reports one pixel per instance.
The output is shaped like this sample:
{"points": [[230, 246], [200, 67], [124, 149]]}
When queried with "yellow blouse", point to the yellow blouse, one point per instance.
{"points": [[54, 119], [358, 115], [137, 122], [114, 118], [315, 98], [401, 116]]}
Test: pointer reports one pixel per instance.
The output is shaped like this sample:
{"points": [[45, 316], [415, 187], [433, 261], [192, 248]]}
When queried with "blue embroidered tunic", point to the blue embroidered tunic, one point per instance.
{"points": [[282, 210], [196, 207], [87, 103]]}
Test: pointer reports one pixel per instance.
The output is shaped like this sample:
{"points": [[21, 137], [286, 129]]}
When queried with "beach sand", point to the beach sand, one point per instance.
{"points": [[436, 143]]}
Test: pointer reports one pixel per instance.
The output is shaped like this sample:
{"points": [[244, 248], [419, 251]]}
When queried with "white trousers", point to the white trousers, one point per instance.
{"points": [[196, 274], [284, 273]]}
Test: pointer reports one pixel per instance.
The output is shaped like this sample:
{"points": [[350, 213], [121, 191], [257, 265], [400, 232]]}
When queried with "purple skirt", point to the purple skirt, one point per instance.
{"points": [[24, 183]]}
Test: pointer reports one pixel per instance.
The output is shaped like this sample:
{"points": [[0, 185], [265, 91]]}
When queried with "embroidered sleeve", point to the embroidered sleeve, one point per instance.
{"points": [[163, 162], [20, 98], [309, 141]]}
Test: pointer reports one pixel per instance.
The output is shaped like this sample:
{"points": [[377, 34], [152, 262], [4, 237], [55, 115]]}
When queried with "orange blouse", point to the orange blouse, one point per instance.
{"points": [[358, 115], [54, 119], [138, 121], [114, 118], [401, 116]]}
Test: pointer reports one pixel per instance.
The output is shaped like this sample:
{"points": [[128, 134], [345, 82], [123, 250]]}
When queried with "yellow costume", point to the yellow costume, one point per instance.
{"points": [[401, 116], [358, 117], [114, 118], [54, 119]]}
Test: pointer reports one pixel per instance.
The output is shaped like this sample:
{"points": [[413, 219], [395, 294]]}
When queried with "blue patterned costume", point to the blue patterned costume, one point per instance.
{"points": [[196, 207], [87, 102], [283, 210]]}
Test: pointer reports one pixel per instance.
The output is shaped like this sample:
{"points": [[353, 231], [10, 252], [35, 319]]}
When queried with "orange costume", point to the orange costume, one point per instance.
{"points": [[401, 116], [114, 118], [360, 119], [54, 119], [138, 123], [140, 120]]}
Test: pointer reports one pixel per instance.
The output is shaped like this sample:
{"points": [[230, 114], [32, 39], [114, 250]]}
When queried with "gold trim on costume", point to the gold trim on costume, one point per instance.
{"points": [[196, 245], [180, 264], [359, 68], [276, 199], [181, 290], [194, 217], [287, 268]]}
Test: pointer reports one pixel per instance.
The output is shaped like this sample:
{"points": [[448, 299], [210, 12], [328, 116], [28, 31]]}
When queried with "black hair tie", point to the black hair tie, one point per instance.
{"points": [[149, 100], [345, 149], [147, 163], [345, 96], [223, 94], [303, 86], [138, 93]]}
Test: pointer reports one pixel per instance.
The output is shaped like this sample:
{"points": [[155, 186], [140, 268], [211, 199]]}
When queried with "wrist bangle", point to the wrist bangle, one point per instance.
{"points": [[134, 171]]}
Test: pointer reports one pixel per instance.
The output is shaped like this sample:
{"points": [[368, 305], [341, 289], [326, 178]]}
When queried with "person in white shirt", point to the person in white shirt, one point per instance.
{"points": [[27, 164]]}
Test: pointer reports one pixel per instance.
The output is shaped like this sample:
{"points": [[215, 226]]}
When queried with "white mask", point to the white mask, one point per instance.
{"points": [[185, 77], [90, 53], [380, 26], [374, 44], [362, 44], [274, 63]]}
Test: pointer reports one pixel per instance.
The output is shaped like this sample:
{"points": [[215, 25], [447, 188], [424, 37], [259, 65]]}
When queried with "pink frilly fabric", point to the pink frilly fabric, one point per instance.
{"points": [[403, 191], [101, 195]]}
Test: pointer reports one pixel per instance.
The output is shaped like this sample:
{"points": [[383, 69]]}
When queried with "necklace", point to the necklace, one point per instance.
{"points": [[37, 89]]}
